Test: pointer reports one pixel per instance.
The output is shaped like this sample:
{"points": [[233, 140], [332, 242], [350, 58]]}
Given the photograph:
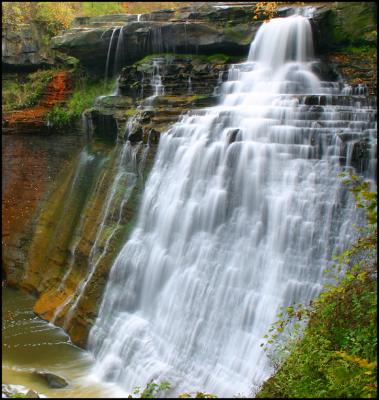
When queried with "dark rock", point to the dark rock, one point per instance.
{"points": [[136, 135], [153, 136], [103, 124], [25, 48], [232, 135], [360, 155], [156, 33], [160, 15], [53, 381], [311, 100]]}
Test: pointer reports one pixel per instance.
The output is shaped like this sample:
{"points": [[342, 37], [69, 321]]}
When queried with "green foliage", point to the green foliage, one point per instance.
{"points": [[55, 16], [335, 355], [151, 390], [95, 8], [21, 91], [85, 92], [197, 395], [141, 7], [15, 13], [52, 16], [218, 58], [18, 396]]}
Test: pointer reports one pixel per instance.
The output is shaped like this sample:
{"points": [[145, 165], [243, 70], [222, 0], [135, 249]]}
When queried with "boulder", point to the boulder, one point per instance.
{"points": [[52, 380], [31, 394]]}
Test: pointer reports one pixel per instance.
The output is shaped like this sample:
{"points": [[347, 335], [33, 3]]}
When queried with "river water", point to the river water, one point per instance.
{"points": [[29, 343]]}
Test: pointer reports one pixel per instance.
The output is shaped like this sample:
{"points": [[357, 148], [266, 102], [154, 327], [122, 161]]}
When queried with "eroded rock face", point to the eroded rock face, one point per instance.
{"points": [[211, 31], [30, 164], [24, 48], [186, 82]]}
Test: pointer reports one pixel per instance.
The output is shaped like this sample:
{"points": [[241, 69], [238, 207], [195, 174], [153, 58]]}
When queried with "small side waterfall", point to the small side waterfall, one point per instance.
{"points": [[156, 82], [114, 202], [241, 213], [109, 54], [120, 55]]}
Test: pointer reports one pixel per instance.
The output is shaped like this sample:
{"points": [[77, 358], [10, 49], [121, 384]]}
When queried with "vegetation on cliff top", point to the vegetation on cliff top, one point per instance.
{"points": [[24, 90], [85, 92], [336, 354], [56, 16]]}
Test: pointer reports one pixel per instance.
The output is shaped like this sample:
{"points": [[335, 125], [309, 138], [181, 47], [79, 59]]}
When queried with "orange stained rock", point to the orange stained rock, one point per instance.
{"points": [[49, 301], [31, 119]]}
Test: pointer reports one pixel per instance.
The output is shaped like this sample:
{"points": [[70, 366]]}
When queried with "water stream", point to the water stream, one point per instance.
{"points": [[241, 214], [30, 343]]}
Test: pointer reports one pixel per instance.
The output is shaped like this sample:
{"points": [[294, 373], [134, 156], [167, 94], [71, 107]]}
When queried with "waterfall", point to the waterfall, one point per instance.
{"points": [[120, 55], [189, 91], [113, 203], [241, 214], [108, 55], [156, 82]]}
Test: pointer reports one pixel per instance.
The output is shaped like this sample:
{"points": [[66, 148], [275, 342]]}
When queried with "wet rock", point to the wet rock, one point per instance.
{"points": [[14, 391], [311, 100], [153, 136], [54, 381], [232, 135], [31, 394], [136, 135], [104, 124]]}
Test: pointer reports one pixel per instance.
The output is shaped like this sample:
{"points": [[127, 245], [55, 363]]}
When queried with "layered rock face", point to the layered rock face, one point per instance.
{"points": [[155, 91], [31, 166], [24, 48], [187, 30]]}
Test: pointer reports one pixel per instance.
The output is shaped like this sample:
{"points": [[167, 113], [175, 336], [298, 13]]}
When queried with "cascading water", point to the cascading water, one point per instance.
{"points": [[109, 54], [155, 83], [240, 215], [126, 180], [120, 54]]}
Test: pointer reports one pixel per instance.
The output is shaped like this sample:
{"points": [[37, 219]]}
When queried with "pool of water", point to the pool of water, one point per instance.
{"points": [[30, 343]]}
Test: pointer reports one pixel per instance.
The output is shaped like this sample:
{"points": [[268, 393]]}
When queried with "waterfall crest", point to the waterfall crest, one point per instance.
{"points": [[240, 215]]}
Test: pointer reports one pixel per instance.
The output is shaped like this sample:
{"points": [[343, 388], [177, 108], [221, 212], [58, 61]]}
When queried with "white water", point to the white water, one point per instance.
{"points": [[155, 83], [189, 91], [109, 54], [241, 213]]}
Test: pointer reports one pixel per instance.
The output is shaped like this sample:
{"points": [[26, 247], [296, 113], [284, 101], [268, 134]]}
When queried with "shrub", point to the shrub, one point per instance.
{"points": [[85, 92], [20, 91], [336, 355]]}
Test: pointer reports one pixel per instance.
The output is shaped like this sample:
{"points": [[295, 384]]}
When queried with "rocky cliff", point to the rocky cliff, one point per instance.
{"points": [[25, 48]]}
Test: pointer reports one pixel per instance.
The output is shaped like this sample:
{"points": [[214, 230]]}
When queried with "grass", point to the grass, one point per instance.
{"points": [[21, 91], [84, 95]]}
